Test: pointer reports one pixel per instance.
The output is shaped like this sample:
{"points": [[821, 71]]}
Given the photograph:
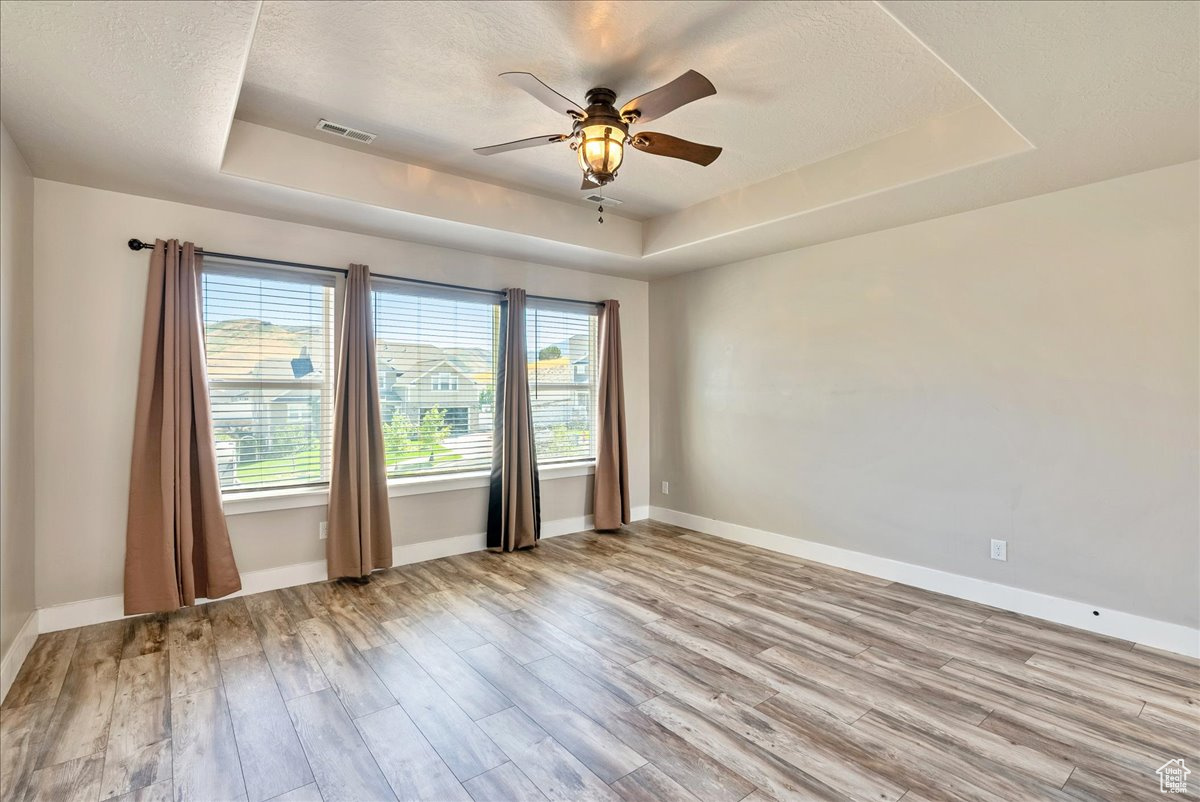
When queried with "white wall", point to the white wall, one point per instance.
{"points": [[16, 393], [90, 290], [1025, 372]]}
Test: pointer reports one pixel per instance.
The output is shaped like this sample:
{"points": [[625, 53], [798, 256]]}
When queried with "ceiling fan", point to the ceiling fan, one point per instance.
{"points": [[600, 132]]}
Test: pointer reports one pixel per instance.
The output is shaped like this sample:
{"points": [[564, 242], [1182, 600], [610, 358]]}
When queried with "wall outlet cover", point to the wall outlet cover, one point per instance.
{"points": [[324, 531], [1000, 550], [666, 488]]}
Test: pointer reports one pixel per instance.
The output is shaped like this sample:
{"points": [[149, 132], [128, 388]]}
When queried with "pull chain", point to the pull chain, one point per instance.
{"points": [[600, 209]]}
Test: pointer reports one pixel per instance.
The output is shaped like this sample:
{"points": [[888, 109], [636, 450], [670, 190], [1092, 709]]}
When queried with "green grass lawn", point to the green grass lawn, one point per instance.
{"points": [[302, 466], [439, 453], [305, 466]]}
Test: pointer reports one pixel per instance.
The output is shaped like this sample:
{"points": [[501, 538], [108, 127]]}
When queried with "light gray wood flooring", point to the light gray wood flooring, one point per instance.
{"points": [[655, 664]]}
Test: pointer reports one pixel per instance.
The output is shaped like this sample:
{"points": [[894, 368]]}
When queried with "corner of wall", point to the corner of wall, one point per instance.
{"points": [[1006, 372], [18, 622], [18, 650]]}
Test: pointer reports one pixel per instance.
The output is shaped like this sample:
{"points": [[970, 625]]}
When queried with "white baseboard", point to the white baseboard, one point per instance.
{"points": [[1114, 623], [18, 650], [110, 608]]}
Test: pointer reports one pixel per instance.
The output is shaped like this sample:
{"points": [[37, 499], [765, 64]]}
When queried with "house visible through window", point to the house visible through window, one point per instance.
{"points": [[562, 379], [268, 337], [435, 352]]}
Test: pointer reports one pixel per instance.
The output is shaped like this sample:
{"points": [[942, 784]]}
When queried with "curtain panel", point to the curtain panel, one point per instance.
{"points": [[360, 527], [514, 499], [176, 542], [611, 496]]}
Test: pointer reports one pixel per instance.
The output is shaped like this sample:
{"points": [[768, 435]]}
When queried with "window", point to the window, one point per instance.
{"points": [[268, 336], [561, 342], [435, 351]]}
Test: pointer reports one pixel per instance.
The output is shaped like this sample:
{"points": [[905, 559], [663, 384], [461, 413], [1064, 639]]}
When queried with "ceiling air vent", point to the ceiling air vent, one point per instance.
{"points": [[345, 131], [602, 199]]}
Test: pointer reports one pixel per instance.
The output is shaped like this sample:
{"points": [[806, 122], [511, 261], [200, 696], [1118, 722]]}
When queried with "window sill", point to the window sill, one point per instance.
{"points": [[267, 500], [295, 498]]}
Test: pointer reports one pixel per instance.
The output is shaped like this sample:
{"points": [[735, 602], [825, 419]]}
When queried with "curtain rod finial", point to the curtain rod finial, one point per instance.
{"points": [[136, 244]]}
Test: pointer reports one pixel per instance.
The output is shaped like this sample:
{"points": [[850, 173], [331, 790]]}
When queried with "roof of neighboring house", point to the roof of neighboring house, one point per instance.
{"points": [[410, 361], [432, 366], [551, 371], [250, 349]]}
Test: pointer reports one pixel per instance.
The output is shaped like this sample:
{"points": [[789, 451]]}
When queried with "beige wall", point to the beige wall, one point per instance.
{"points": [[89, 294], [16, 392], [1025, 371]]}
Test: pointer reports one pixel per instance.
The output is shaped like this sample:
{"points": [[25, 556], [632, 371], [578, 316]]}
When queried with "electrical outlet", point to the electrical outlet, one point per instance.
{"points": [[324, 531], [1000, 550], [666, 488]]}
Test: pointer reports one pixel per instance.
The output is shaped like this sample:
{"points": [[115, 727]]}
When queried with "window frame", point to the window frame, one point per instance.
{"points": [[333, 309], [571, 386], [251, 499], [446, 381], [488, 298]]}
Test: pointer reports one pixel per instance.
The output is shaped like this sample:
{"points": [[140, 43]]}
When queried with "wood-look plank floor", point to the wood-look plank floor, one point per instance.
{"points": [[655, 664]]}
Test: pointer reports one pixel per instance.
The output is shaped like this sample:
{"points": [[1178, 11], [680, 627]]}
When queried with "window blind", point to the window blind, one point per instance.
{"points": [[562, 342], [435, 353], [269, 345]]}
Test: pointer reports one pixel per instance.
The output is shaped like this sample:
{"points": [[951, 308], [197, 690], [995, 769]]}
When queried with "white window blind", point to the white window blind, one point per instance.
{"points": [[435, 353], [269, 341], [562, 360]]}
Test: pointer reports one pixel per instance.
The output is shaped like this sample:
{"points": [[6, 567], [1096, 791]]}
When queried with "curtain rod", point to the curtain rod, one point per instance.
{"points": [[136, 244]]}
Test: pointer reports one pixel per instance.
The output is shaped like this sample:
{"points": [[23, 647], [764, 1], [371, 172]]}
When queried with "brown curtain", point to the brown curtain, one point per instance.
{"points": [[514, 501], [360, 527], [176, 543], [611, 501]]}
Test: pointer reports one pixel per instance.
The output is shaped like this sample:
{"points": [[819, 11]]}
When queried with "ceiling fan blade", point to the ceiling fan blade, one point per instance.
{"points": [[589, 184], [668, 97], [532, 142], [666, 145], [528, 82]]}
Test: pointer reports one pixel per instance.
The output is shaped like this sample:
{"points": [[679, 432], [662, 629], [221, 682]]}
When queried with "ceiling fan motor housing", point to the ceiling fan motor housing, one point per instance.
{"points": [[601, 135]]}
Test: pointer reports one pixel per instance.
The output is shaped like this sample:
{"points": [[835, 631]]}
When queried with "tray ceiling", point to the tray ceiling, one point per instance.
{"points": [[837, 118], [796, 83]]}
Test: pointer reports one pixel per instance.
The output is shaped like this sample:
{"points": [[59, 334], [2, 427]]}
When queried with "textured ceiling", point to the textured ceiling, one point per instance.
{"points": [[1100, 89], [139, 97], [796, 82]]}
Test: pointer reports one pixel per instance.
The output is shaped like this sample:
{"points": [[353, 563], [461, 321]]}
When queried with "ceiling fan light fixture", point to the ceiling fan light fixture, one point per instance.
{"points": [[600, 132], [601, 150]]}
